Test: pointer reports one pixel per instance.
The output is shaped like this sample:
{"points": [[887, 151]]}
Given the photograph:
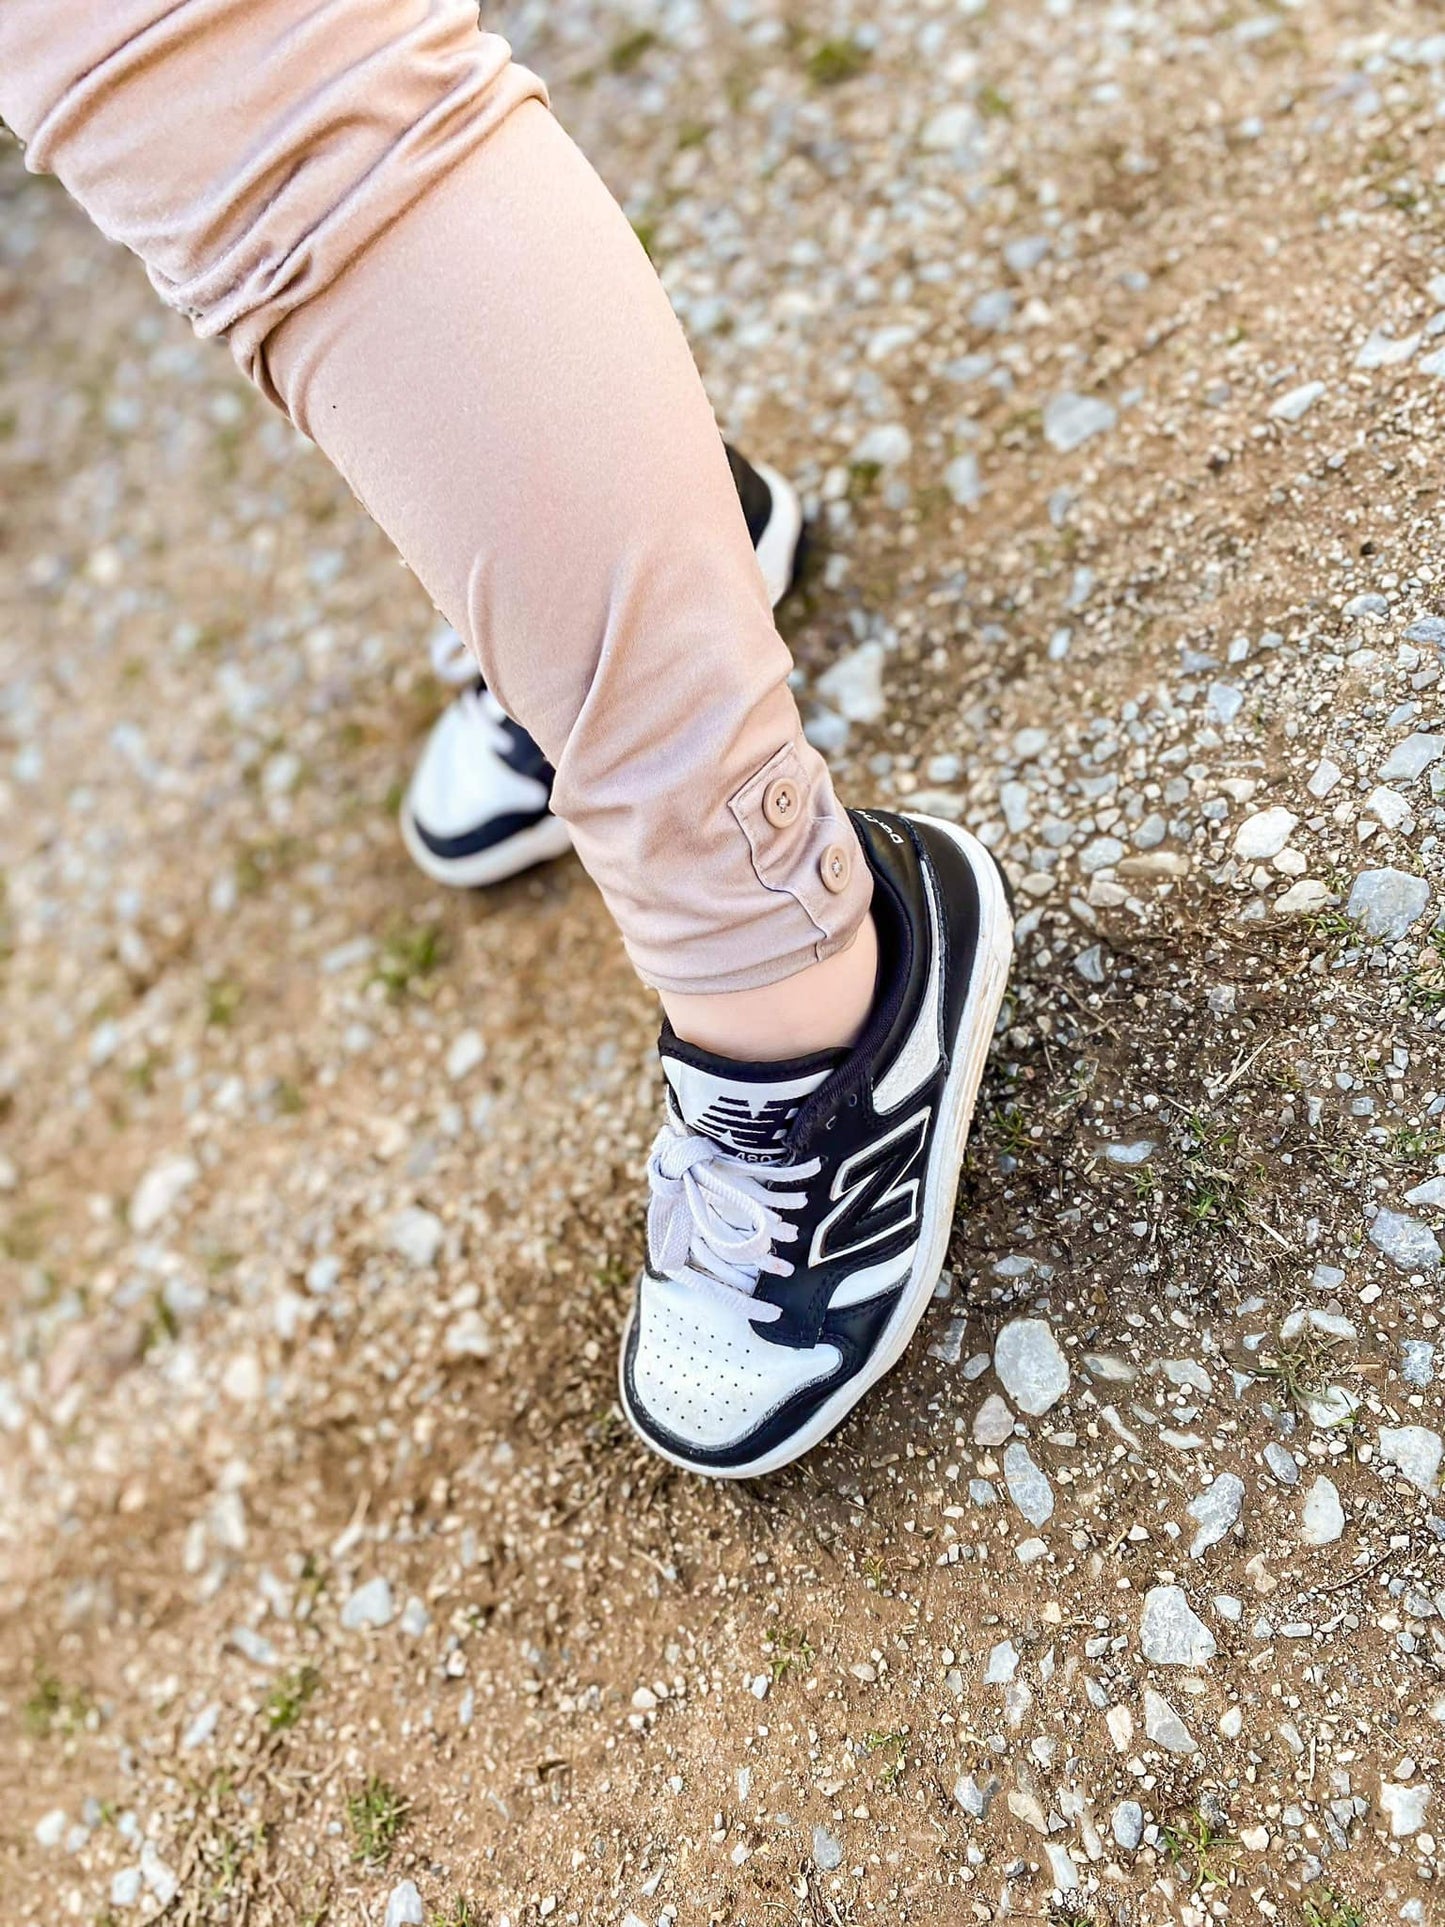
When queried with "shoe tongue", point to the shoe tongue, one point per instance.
{"points": [[747, 1108]]}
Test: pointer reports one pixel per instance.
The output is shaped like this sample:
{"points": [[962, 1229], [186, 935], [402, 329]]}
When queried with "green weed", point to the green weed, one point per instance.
{"points": [[377, 1815], [834, 61]]}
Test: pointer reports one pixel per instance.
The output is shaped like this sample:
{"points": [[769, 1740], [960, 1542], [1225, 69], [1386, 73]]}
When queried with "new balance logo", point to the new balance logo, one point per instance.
{"points": [[732, 1121], [875, 1192]]}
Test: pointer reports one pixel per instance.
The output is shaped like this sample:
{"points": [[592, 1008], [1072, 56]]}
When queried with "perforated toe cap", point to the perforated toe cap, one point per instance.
{"points": [[703, 1375]]}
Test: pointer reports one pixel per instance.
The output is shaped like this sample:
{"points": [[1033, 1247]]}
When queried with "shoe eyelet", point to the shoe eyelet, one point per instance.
{"points": [[852, 1100]]}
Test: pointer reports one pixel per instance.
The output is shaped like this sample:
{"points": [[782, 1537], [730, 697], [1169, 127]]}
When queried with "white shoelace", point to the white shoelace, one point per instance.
{"points": [[713, 1220], [454, 664]]}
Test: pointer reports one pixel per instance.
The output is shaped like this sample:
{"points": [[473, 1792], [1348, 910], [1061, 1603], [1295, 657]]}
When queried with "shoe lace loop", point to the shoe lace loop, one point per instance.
{"points": [[714, 1220]]}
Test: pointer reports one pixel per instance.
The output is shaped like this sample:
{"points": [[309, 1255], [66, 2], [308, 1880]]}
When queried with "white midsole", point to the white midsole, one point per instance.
{"points": [[960, 1093], [539, 844]]}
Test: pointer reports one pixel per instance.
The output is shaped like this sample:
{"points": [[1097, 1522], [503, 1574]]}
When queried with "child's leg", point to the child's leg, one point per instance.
{"points": [[411, 257]]}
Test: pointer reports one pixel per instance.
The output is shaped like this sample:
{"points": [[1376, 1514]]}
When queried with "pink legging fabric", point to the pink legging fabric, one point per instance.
{"points": [[373, 204]]}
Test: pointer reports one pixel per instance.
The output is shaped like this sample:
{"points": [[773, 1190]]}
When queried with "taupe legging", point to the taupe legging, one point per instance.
{"points": [[407, 254]]}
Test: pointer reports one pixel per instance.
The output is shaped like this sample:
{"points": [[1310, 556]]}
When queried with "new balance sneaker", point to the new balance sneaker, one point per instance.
{"points": [[800, 1212], [478, 807]]}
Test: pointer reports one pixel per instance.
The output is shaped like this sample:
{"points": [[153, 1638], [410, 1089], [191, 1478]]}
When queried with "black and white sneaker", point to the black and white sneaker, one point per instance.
{"points": [[477, 809], [800, 1212]]}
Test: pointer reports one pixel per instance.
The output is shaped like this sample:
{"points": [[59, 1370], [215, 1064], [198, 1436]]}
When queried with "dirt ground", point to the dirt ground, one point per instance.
{"points": [[1107, 344]]}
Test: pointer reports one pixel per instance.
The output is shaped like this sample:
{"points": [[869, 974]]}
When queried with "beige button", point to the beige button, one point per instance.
{"points": [[835, 866], [780, 802]]}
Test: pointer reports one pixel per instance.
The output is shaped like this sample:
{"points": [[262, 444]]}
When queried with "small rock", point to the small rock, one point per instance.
{"points": [[467, 1336], [1416, 1450], [415, 1619], [1027, 1806], [1254, 1839], [1432, 1191], [1326, 776], [160, 1190], [961, 479], [1030, 1365], [1388, 807], [853, 686], [1369, 604], [1027, 1485], [1411, 759], [1090, 964], [1071, 419], [1417, 1361], [1388, 903], [1406, 1242], [1100, 854], [467, 1051], [1298, 402], [1224, 701], [1324, 1516], [975, 1796], [1137, 1151], [949, 128], [1264, 834], [1127, 1824], [1282, 1463], [1003, 1663], [1170, 1631], [1302, 899], [201, 1728], [157, 1875], [370, 1605], [50, 1827], [125, 1887], [827, 1852], [1404, 1806], [403, 1906], [1428, 629], [1214, 1511], [1335, 1405], [242, 1380], [1380, 350], [993, 1422], [416, 1235], [888, 444], [1164, 1726]]}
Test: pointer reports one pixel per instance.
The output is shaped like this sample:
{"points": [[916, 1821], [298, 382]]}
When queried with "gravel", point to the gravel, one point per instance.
{"points": [[1323, 1519], [369, 1607], [1214, 1511], [1164, 1726], [1388, 903], [1171, 1632], [1070, 420], [1031, 1365], [404, 1906], [1405, 1241], [1027, 1486]]}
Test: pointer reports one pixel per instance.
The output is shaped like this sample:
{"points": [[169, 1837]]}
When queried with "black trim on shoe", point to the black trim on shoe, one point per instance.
{"points": [[753, 492], [497, 829]]}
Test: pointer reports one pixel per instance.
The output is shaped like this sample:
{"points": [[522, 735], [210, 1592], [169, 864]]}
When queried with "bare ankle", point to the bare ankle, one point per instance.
{"points": [[821, 1008]]}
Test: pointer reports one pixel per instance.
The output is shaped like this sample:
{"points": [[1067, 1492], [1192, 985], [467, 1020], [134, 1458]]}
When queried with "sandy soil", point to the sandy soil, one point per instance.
{"points": [[1108, 346]]}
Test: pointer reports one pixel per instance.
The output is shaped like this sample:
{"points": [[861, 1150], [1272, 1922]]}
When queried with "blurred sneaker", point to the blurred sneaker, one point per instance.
{"points": [[478, 808], [800, 1212]]}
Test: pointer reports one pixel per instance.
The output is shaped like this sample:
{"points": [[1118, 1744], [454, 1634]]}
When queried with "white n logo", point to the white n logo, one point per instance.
{"points": [[875, 1196]]}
